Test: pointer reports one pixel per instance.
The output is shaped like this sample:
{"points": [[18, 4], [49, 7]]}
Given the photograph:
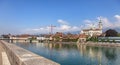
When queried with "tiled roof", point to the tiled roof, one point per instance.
{"points": [[97, 29], [82, 36]]}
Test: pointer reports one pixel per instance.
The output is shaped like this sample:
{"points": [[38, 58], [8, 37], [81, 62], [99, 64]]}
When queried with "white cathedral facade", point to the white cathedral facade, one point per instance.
{"points": [[93, 31]]}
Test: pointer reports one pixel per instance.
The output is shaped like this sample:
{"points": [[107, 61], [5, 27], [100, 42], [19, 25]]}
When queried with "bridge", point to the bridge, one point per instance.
{"points": [[14, 40], [11, 54]]}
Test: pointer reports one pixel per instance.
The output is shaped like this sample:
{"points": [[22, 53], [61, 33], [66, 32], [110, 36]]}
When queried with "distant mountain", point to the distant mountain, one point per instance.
{"points": [[117, 29]]}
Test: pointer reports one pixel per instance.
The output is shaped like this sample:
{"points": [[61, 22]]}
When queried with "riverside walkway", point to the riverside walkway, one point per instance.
{"points": [[3, 57], [1, 50], [20, 56]]}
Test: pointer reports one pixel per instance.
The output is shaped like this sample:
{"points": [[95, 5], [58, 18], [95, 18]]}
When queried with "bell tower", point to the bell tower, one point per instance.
{"points": [[100, 24]]}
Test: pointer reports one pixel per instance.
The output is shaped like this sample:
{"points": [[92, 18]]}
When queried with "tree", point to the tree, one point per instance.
{"points": [[111, 33]]}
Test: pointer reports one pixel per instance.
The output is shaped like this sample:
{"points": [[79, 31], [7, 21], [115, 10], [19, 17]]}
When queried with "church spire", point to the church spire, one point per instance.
{"points": [[100, 24]]}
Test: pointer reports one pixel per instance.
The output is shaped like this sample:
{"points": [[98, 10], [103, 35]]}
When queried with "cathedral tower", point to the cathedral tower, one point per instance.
{"points": [[100, 24]]}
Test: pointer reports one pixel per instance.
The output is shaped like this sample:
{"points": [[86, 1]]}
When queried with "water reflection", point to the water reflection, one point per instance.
{"points": [[110, 54], [75, 54]]}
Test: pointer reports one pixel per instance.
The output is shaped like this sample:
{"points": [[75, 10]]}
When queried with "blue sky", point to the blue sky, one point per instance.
{"points": [[35, 16]]}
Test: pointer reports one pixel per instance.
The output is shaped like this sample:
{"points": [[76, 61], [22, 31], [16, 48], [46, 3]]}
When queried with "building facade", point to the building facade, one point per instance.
{"points": [[93, 31]]}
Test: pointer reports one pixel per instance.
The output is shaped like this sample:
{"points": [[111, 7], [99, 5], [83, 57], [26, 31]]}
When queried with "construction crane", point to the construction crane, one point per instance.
{"points": [[51, 29]]}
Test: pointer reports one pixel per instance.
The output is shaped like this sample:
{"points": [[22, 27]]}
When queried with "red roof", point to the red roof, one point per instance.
{"points": [[82, 36], [23, 35], [97, 29]]}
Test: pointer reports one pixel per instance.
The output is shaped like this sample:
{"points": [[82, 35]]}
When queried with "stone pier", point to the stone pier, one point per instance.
{"points": [[20, 56]]}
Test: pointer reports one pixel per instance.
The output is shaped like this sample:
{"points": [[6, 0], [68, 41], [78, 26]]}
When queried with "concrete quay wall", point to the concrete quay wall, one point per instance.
{"points": [[102, 44], [20, 56]]}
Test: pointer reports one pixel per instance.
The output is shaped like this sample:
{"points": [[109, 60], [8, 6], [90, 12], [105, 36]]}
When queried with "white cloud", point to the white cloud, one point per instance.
{"points": [[117, 17], [88, 21], [105, 21], [63, 27], [114, 24], [37, 30], [66, 27], [62, 22]]}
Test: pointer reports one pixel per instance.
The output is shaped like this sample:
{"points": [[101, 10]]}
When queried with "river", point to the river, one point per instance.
{"points": [[75, 54]]}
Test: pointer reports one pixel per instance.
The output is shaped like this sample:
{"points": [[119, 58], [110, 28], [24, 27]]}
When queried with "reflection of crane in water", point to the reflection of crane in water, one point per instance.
{"points": [[51, 48]]}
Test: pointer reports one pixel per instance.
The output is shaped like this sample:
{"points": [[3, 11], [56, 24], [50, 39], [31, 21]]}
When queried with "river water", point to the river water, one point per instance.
{"points": [[75, 54]]}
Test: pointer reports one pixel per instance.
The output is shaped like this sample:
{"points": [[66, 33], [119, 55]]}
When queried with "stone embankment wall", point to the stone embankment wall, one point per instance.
{"points": [[20, 56], [102, 44]]}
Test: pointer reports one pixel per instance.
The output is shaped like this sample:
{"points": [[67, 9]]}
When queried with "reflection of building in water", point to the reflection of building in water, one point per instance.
{"points": [[82, 49], [99, 55], [60, 45], [91, 52], [53, 45], [39, 44], [96, 54], [50, 46]]}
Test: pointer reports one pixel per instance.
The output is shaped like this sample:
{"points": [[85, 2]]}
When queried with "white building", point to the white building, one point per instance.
{"points": [[42, 38], [93, 31]]}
